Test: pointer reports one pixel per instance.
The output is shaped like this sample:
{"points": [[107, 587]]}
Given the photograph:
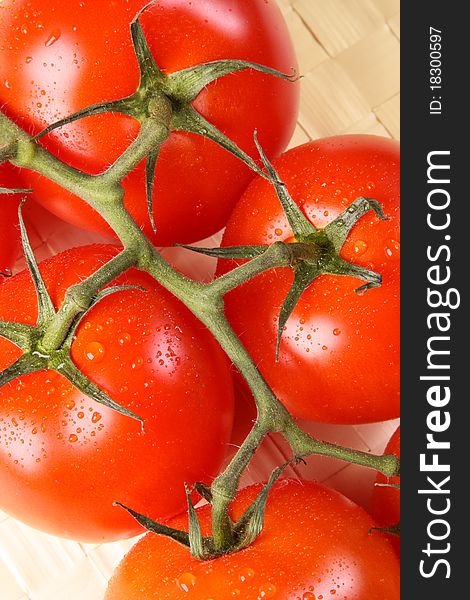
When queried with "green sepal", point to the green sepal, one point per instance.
{"points": [[390, 529], [46, 308], [339, 266], [185, 118], [187, 84], [251, 523], [20, 334], [27, 363], [338, 229], [197, 544], [182, 537], [14, 191], [63, 364], [390, 485], [150, 165], [204, 491], [229, 251], [304, 274], [149, 71], [124, 106], [300, 225]]}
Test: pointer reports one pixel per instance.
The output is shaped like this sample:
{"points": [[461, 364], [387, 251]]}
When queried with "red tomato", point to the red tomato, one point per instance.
{"points": [[64, 459], [315, 544], [386, 500], [10, 238], [339, 354], [64, 56]]}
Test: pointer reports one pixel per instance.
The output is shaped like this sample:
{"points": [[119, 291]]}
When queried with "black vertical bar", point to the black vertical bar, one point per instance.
{"points": [[434, 121]]}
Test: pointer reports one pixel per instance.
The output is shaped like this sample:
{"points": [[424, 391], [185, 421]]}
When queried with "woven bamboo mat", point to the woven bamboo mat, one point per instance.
{"points": [[349, 56]]}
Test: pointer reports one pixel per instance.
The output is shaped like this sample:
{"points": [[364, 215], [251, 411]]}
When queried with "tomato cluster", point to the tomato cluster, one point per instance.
{"points": [[65, 460]]}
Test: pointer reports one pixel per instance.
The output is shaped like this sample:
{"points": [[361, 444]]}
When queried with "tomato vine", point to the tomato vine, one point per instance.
{"points": [[163, 104]]}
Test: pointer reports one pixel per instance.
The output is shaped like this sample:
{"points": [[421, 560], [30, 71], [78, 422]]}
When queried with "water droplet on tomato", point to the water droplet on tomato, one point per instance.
{"points": [[95, 351], [268, 590], [34, 430], [360, 247], [246, 574], [125, 338], [236, 592], [95, 417], [73, 438], [186, 581], [53, 37], [7, 84], [336, 331], [392, 248], [138, 362], [80, 415], [278, 232], [324, 347], [308, 596]]}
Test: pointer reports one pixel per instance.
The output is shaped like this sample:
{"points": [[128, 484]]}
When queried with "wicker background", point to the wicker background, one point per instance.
{"points": [[349, 56]]}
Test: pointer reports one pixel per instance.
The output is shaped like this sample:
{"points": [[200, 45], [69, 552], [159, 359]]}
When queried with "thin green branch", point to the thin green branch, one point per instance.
{"points": [[79, 297]]}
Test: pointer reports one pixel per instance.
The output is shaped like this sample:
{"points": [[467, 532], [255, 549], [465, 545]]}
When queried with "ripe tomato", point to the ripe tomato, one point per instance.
{"points": [[386, 500], [315, 544], [10, 238], [59, 57], [339, 354], [64, 459]]}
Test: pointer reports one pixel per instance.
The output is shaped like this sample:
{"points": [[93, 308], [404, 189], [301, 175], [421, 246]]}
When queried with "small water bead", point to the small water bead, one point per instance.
{"points": [[360, 247], [309, 596], [268, 590], [80, 415], [186, 581], [336, 331], [246, 574], [125, 339], [53, 37], [138, 362], [95, 351], [73, 438], [278, 232], [95, 417], [392, 248]]}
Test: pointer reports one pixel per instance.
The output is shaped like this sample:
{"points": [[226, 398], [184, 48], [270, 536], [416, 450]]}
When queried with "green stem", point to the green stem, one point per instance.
{"points": [[304, 445], [79, 297], [278, 254], [225, 486]]}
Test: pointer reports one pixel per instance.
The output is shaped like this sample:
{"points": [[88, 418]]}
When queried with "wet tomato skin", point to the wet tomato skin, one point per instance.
{"points": [[315, 544], [64, 56], [64, 459], [339, 353]]}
